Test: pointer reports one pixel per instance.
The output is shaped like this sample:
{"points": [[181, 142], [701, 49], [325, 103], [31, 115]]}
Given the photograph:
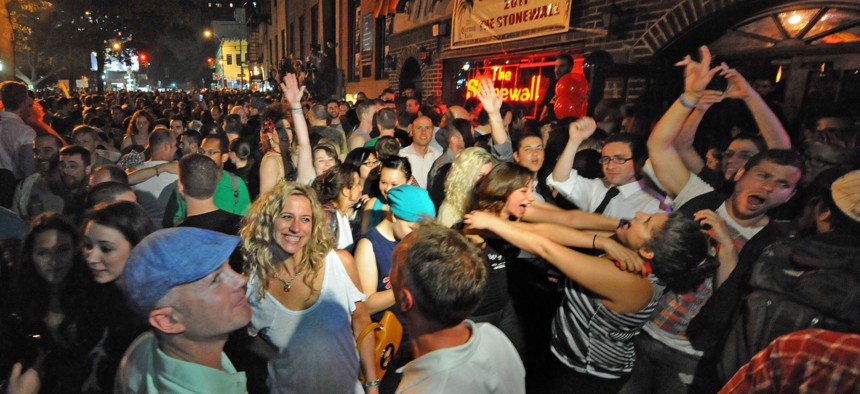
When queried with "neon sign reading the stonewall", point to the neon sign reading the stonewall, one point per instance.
{"points": [[510, 89]]}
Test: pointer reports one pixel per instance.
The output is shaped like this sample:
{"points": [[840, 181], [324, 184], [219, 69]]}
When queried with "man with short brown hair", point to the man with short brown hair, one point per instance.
{"points": [[16, 137]]}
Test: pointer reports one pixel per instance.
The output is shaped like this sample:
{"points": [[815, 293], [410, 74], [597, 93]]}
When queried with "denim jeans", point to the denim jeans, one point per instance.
{"points": [[664, 370]]}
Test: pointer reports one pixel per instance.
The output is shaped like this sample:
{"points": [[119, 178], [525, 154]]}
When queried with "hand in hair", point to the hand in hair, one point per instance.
{"points": [[718, 231], [715, 227], [582, 129], [627, 259]]}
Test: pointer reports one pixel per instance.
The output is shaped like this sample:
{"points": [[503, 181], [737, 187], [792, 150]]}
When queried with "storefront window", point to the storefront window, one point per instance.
{"points": [[812, 26]]}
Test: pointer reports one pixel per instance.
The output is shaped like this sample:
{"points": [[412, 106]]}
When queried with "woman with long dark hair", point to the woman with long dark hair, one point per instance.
{"points": [[142, 123], [394, 171], [110, 232], [47, 307], [338, 190]]}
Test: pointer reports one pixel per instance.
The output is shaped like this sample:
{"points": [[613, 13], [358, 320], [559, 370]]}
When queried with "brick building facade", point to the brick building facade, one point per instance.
{"points": [[381, 46]]}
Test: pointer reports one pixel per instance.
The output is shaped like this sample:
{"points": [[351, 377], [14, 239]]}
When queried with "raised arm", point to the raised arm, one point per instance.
{"points": [[578, 131], [144, 174], [492, 103], [684, 141], [574, 218], [293, 94], [668, 166], [621, 291], [771, 128]]}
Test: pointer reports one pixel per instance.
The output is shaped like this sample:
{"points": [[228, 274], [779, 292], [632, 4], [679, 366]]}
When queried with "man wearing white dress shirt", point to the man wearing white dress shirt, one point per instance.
{"points": [[421, 154], [620, 193], [16, 137]]}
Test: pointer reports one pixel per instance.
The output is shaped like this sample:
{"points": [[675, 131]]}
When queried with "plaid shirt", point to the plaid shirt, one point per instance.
{"points": [[675, 311], [808, 361]]}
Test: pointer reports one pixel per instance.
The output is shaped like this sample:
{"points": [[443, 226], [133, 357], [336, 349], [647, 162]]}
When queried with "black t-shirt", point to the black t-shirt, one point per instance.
{"points": [[498, 254], [222, 222], [218, 220]]}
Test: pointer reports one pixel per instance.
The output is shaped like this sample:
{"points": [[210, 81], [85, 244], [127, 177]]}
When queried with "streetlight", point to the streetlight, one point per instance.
{"points": [[207, 33], [116, 46]]}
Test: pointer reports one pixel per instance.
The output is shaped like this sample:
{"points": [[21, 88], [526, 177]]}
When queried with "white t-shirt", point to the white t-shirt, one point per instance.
{"points": [[154, 193], [486, 363]]}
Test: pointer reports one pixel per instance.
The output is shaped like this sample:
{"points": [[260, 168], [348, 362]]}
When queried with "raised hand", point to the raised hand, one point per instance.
{"points": [[698, 74], [738, 88], [490, 99], [582, 129], [291, 89], [23, 382]]}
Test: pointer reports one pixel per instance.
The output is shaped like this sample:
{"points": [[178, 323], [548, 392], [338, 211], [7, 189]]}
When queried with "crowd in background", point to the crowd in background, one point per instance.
{"points": [[631, 251]]}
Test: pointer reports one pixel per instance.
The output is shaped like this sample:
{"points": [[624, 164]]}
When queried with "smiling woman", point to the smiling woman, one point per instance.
{"points": [[504, 193], [311, 322]]}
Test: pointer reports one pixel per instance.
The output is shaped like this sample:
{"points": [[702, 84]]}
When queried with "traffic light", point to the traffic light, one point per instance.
{"points": [[143, 57], [211, 62]]}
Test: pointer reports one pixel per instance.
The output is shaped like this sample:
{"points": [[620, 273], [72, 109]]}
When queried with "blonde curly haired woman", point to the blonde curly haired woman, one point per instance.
{"points": [[306, 297], [467, 170]]}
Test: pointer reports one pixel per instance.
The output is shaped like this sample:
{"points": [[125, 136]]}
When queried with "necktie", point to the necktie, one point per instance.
{"points": [[610, 194]]}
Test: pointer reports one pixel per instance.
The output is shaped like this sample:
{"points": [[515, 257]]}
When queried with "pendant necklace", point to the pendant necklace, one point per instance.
{"points": [[287, 283]]}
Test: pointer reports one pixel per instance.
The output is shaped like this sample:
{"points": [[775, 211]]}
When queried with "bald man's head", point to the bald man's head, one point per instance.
{"points": [[454, 112]]}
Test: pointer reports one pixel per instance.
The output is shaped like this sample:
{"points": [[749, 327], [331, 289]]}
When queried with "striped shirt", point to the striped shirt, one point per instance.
{"points": [[594, 340]]}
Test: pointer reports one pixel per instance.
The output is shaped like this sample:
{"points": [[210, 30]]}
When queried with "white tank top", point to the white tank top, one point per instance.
{"points": [[316, 346]]}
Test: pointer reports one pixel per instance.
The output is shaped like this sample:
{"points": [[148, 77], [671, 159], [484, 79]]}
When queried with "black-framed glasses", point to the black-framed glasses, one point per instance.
{"points": [[614, 159]]}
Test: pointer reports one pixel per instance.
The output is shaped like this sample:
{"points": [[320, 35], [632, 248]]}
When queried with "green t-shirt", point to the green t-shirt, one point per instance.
{"points": [[226, 198]]}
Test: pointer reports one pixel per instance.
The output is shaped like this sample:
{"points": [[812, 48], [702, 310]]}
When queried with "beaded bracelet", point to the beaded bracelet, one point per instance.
{"points": [[686, 103]]}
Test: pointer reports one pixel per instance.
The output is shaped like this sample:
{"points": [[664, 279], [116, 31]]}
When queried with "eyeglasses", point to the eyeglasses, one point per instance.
{"points": [[614, 159]]}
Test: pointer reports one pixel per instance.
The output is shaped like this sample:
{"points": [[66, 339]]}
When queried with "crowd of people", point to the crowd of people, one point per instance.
{"points": [[234, 241]]}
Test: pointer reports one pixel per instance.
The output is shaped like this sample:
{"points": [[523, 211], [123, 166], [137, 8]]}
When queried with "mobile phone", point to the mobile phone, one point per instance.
{"points": [[199, 97]]}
